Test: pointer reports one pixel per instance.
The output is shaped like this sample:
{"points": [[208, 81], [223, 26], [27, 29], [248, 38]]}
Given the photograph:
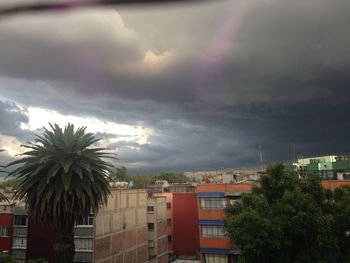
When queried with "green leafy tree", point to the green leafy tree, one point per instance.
{"points": [[12, 183], [38, 260], [62, 179], [170, 177], [288, 219], [119, 174], [4, 258], [141, 181]]}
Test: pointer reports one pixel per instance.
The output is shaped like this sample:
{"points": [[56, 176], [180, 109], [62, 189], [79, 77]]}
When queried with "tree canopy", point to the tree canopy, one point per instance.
{"points": [[62, 179], [141, 181], [288, 219]]}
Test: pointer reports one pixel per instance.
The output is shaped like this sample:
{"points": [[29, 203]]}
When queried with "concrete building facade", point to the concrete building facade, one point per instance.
{"points": [[157, 229], [117, 234], [120, 229]]}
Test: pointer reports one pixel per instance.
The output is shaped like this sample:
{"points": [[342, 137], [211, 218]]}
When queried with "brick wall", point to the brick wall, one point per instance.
{"points": [[161, 228], [102, 247], [162, 245], [142, 236], [142, 254]]}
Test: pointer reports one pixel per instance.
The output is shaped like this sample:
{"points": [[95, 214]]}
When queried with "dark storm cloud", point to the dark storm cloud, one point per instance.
{"points": [[11, 118], [280, 78]]}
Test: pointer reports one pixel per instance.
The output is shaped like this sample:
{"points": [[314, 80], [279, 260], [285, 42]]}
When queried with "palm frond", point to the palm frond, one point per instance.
{"points": [[61, 177]]}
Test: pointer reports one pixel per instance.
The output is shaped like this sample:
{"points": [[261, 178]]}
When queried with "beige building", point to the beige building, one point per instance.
{"points": [[157, 229], [120, 234]]}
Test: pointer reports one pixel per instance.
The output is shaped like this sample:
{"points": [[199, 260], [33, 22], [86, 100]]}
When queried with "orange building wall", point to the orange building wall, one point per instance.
{"points": [[206, 242], [241, 187], [330, 184], [204, 214], [210, 214]]}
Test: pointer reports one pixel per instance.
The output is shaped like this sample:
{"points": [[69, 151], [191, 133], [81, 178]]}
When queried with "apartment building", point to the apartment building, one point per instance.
{"points": [[19, 234], [118, 233], [215, 247], [157, 229], [336, 167], [6, 219], [121, 228]]}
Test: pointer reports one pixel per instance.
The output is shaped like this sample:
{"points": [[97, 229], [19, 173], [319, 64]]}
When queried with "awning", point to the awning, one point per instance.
{"points": [[219, 251], [210, 194], [211, 222]]}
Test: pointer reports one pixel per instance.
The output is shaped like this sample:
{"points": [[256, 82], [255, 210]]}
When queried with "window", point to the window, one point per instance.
{"points": [[168, 205], [150, 243], [4, 231], [19, 242], [169, 238], [86, 221], [20, 221], [150, 209], [213, 231], [213, 203], [168, 222], [216, 258], [150, 226], [83, 244]]}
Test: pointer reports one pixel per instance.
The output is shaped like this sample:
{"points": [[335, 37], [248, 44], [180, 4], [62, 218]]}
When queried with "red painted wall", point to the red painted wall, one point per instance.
{"points": [[41, 238], [6, 242], [185, 222]]}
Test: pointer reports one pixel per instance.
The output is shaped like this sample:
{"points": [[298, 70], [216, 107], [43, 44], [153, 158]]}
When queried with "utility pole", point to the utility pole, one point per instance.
{"points": [[294, 152], [261, 158]]}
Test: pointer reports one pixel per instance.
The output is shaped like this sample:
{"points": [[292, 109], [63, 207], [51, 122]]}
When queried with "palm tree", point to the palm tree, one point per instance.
{"points": [[62, 179], [3, 198]]}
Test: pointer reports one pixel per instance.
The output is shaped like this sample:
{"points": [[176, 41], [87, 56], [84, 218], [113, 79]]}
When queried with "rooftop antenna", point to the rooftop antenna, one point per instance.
{"points": [[261, 158]]}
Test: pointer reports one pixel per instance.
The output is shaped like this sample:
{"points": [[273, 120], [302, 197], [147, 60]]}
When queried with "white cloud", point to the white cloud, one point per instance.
{"points": [[153, 60], [11, 145], [39, 117]]}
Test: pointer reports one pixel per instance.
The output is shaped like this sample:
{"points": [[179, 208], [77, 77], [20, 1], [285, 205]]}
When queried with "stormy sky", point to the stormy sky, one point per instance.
{"points": [[183, 87]]}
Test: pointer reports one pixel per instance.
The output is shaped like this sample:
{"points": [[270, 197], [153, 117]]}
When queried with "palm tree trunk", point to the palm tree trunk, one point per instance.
{"points": [[64, 245]]}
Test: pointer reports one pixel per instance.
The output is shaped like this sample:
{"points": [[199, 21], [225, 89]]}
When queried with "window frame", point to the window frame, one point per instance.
{"points": [[215, 258], [150, 228], [20, 216], [86, 222], [83, 244], [150, 209], [22, 245], [150, 242], [213, 203], [213, 231], [2, 228]]}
